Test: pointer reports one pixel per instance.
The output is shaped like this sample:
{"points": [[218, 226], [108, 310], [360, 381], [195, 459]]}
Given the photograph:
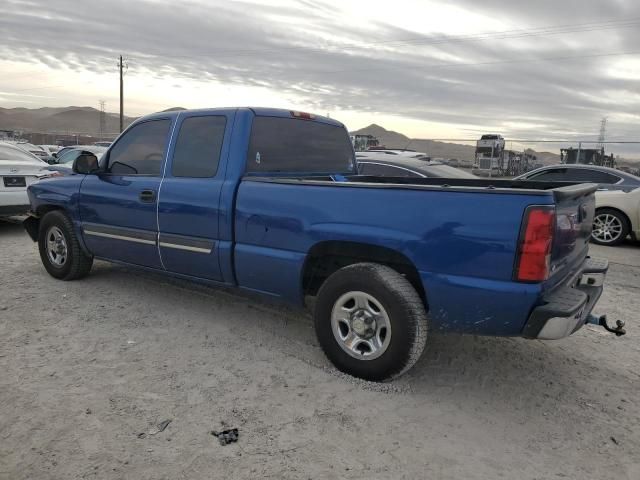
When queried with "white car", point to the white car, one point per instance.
{"points": [[50, 149], [617, 216], [18, 170]]}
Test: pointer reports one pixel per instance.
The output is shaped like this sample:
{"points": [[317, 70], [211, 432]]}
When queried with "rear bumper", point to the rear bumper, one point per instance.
{"points": [[566, 309], [13, 210], [13, 201]]}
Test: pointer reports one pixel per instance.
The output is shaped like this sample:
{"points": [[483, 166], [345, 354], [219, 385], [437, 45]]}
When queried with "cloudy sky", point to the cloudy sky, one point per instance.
{"points": [[527, 69]]}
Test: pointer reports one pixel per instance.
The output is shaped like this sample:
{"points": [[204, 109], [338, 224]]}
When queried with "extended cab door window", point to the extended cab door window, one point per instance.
{"points": [[197, 151], [141, 150]]}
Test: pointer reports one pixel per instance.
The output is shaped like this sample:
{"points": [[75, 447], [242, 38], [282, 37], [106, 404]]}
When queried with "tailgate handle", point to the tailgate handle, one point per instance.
{"points": [[147, 196]]}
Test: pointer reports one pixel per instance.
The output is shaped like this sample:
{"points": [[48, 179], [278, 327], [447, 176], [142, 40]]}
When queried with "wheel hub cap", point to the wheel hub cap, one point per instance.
{"points": [[361, 325], [56, 247], [606, 228]]}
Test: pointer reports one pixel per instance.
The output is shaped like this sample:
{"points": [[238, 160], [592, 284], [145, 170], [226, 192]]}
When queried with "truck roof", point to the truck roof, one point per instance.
{"points": [[258, 111]]}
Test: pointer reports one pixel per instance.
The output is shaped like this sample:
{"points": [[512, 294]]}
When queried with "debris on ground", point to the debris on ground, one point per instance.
{"points": [[157, 429], [225, 437], [614, 440]]}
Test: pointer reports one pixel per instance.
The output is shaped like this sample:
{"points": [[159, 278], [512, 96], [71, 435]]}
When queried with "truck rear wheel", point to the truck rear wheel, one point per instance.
{"points": [[370, 321], [60, 249]]}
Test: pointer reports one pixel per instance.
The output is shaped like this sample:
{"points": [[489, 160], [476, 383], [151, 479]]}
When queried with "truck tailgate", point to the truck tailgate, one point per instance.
{"points": [[575, 207]]}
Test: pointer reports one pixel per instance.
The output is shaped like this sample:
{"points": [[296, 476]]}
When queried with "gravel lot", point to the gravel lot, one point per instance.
{"points": [[87, 367]]}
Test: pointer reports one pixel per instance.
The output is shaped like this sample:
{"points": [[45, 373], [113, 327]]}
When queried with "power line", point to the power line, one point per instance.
{"points": [[529, 140], [501, 35], [446, 65], [474, 64]]}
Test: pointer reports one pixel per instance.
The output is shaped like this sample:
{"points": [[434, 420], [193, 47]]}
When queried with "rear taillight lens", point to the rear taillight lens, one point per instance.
{"points": [[50, 174], [534, 249], [303, 115]]}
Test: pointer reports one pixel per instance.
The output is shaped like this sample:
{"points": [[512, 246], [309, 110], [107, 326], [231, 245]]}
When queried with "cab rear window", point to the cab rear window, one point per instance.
{"points": [[294, 146]]}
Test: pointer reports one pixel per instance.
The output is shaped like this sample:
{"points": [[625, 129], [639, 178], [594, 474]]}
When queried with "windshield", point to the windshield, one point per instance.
{"points": [[291, 145]]}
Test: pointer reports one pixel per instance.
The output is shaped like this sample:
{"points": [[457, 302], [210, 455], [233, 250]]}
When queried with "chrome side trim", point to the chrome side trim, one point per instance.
{"points": [[184, 247], [119, 237]]}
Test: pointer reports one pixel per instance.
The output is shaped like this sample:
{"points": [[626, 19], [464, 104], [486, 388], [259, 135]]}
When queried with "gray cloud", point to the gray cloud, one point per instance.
{"points": [[498, 82]]}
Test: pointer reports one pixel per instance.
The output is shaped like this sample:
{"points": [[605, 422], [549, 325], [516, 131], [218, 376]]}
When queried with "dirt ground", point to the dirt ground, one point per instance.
{"points": [[88, 369]]}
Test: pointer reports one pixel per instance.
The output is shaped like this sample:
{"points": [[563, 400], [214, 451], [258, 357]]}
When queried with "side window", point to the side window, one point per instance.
{"points": [[551, 175], [593, 176], [385, 170], [198, 147], [141, 150]]}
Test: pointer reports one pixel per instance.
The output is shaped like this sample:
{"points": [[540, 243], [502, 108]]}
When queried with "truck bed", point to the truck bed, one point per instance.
{"points": [[462, 244], [560, 190]]}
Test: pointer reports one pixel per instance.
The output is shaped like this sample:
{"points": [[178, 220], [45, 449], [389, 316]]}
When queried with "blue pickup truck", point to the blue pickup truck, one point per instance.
{"points": [[270, 201]]}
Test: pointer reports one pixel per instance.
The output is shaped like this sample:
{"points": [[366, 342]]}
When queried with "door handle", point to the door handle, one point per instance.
{"points": [[147, 196]]}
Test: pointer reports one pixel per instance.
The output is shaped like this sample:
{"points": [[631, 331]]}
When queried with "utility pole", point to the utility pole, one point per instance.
{"points": [[120, 65], [102, 119], [603, 130]]}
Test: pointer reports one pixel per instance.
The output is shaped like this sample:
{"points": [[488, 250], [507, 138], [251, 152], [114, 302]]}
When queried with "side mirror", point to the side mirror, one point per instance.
{"points": [[51, 161], [86, 164]]}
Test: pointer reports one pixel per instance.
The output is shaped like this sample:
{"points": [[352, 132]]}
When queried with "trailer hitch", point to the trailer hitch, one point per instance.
{"points": [[602, 321]]}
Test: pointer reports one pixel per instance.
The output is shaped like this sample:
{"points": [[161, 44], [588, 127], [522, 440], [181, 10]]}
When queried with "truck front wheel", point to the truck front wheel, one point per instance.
{"points": [[370, 321], [60, 249]]}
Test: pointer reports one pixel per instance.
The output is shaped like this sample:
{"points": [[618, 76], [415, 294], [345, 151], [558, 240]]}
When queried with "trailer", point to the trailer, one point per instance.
{"points": [[587, 156]]}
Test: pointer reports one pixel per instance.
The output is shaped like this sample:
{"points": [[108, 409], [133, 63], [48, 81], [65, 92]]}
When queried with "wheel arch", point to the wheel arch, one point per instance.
{"points": [[624, 214], [32, 223], [326, 257], [42, 210]]}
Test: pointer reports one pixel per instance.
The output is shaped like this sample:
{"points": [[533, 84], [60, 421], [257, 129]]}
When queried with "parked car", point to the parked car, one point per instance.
{"points": [[407, 167], [34, 150], [64, 150], [617, 216], [606, 178], [270, 201], [612, 224], [51, 150], [18, 170], [391, 153], [64, 162]]}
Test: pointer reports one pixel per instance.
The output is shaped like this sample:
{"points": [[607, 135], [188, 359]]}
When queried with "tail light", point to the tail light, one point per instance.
{"points": [[49, 174], [534, 248], [303, 115]]}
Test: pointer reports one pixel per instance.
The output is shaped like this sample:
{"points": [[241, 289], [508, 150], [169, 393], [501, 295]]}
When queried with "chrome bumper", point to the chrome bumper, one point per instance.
{"points": [[567, 309]]}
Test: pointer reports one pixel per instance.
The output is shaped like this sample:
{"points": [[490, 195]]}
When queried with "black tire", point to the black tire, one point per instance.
{"points": [[76, 264], [405, 311], [620, 217]]}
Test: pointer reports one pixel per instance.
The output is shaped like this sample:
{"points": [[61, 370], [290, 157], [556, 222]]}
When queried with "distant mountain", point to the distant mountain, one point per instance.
{"points": [[63, 120], [435, 149]]}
